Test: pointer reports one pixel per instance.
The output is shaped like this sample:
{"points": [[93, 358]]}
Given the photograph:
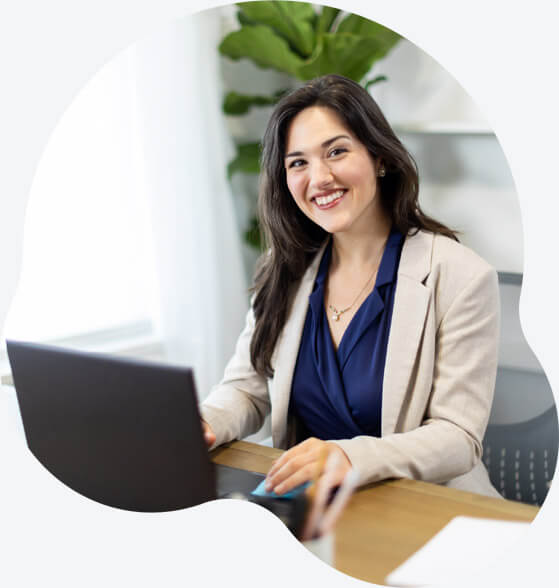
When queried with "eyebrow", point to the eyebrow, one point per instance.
{"points": [[323, 145]]}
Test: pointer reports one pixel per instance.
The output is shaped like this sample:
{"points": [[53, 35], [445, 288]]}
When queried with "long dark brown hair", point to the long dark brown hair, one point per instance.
{"points": [[291, 238]]}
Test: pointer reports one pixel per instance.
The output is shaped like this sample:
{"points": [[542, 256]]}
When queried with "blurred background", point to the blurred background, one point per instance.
{"points": [[140, 236]]}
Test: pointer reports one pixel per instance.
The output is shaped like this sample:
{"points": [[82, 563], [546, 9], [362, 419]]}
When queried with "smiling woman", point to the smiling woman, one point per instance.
{"points": [[328, 168], [373, 332], [334, 184]]}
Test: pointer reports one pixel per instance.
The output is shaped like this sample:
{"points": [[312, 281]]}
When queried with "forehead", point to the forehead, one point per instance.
{"points": [[312, 126]]}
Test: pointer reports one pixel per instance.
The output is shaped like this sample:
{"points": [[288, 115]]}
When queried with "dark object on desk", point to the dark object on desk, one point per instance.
{"points": [[521, 457], [123, 432], [232, 479], [291, 512]]}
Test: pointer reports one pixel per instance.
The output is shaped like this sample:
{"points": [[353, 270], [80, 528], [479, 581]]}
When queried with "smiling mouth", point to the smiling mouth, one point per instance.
{"points": [[329, 200]]}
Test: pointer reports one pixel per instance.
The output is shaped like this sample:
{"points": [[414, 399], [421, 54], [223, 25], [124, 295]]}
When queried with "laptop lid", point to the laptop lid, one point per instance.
{"points": [[120, 431]]}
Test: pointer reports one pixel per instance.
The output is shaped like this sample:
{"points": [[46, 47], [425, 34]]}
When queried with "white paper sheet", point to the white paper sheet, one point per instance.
{"points": [[464, 546]]}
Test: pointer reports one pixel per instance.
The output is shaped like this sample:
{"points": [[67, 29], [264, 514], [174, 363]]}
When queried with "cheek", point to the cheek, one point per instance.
{"points": [[362, 175], [295, 183]]}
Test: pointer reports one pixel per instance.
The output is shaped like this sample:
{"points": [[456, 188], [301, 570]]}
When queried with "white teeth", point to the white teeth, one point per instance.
{"points": [[323, 200]]}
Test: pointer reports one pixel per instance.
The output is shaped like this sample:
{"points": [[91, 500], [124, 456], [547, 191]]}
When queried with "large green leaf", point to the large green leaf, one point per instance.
{"points": [[244, 19], [292, 20], [252, 234], [375, 80], [236, 104], [344, 54], [326, 19], [260, 44], [363, 27], [246, 161]]}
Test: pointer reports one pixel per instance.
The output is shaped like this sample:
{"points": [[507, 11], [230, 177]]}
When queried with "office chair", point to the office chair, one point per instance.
{"points": [[521, 457], [520, 445]]}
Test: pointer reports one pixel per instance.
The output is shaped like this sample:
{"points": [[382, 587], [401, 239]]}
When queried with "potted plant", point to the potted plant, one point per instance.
{"points": [[303, 41]]}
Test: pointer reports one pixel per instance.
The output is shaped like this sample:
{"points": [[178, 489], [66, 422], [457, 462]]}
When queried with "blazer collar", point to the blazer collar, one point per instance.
{"points": [[286, 351], [415, 261], [411, 304]]}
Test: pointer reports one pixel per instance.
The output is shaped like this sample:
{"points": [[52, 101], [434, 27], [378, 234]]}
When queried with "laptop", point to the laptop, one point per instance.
{"points": [[123, 432]]}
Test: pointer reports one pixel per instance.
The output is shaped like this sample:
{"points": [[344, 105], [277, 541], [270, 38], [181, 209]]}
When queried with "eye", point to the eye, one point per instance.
{"points": [[297, 163], [337, 151]]}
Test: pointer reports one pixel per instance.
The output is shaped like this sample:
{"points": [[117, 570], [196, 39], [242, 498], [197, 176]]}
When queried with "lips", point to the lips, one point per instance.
{"points": [[328, 200]]}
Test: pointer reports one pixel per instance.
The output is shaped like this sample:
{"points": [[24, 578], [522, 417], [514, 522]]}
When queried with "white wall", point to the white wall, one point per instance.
{"points": [[465, 180]]}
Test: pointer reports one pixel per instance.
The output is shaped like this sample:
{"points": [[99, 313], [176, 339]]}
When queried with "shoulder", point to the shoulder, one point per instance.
{"points": [[425, 253], [460, 261], [451, 269]]}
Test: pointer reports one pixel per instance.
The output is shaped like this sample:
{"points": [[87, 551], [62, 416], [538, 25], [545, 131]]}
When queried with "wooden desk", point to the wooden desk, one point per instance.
{"points": [[385, 523]]}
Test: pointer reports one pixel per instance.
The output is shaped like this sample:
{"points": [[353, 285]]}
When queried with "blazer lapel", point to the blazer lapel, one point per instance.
{"points": [[286, 351], [411, 303]]}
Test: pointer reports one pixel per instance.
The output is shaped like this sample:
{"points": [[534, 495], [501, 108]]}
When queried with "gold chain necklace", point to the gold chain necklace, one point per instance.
{"points": [[336, 314]]}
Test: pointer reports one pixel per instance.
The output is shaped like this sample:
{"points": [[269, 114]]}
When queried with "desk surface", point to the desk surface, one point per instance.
{"points": [[386, 522]]}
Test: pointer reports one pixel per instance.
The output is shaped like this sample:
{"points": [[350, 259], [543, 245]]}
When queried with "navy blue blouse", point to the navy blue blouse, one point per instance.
{"points": [[338, 394]]}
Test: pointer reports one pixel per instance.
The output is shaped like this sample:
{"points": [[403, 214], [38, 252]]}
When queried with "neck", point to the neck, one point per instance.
{"points": [[359, 248]]}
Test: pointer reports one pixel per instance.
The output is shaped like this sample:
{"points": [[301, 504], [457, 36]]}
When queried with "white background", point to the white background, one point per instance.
{"points": [[503, 53]]}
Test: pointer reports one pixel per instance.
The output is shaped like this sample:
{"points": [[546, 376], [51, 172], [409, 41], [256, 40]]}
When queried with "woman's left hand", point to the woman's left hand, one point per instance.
{"points": [[302, 463]]}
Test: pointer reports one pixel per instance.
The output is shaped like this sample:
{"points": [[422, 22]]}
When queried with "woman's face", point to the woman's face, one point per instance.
{"points": [[330, 173]]}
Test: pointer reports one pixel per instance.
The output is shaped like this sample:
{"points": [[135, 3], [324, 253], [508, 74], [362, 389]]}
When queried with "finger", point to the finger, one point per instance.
{"points": [[286, 457], [323, 450], [276, 465], [288, 469], [299, 477], [209, 437], [304, 447], [311, 450], [284, 460]]}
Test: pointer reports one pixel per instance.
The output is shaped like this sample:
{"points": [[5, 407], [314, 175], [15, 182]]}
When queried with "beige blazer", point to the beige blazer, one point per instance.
{"points": [[439, 375]]}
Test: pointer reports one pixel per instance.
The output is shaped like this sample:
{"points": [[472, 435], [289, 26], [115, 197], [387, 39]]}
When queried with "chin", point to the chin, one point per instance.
{"points": [[334, 228], [332, 225]]}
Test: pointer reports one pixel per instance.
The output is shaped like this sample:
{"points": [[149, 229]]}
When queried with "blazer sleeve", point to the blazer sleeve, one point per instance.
{"points": [[448, 443], [238, 405]]}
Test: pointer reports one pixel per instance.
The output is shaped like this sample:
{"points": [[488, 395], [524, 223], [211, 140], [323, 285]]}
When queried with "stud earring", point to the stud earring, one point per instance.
{"points": [[381, 172]]}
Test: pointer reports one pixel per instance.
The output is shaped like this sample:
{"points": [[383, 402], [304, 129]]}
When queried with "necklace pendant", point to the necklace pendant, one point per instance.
{"points": [[336, 316]]}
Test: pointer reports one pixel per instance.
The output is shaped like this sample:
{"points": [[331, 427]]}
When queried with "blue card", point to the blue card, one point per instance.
{"points": [[260, 490]]}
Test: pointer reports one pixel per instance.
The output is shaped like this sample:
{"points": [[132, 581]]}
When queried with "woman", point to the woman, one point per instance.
{"points": [[372, 333]]}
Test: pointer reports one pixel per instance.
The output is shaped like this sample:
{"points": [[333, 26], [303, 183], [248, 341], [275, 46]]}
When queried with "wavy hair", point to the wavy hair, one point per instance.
{"points": [[291, 238]]}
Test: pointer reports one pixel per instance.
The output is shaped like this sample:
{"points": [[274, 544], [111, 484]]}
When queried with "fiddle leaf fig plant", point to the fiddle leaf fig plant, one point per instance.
{"points": [[304, 41]]}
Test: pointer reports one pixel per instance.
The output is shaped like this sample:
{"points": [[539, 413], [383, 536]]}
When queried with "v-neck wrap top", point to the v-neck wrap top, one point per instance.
{"points": [[338, 394]]}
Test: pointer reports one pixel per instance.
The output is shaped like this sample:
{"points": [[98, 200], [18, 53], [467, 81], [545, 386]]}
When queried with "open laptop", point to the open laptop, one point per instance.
{"points": [[123, 432]]}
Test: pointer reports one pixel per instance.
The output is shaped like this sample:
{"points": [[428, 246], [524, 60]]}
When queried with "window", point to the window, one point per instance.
{"points": [[88, 263]]}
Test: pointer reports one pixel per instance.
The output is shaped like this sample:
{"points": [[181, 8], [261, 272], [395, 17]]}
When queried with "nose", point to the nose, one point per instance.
{"points": [[321, 174]]}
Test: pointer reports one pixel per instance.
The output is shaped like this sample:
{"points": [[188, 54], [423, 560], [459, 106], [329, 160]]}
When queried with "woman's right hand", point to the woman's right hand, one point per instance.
{"points": [[209, 435]]}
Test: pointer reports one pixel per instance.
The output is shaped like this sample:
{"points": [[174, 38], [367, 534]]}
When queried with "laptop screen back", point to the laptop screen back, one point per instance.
{"points": [[122, 432]]}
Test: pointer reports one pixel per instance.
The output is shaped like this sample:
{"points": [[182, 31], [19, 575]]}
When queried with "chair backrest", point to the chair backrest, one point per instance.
{"points": [[521, 442], [521, 457]]}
